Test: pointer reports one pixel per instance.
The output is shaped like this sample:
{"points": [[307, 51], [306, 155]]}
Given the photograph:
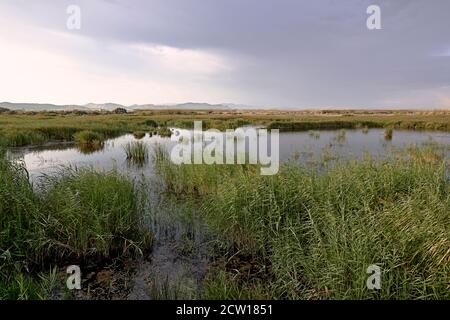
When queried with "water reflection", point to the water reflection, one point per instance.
{"points": [[294, 147], [90, 148]]}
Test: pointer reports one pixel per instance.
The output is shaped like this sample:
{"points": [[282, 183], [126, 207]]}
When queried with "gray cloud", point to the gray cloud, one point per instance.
{"points": [[289, 53]]}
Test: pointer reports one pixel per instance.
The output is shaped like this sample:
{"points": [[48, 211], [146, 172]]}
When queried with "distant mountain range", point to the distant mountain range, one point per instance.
{"points": [[112, 106]]}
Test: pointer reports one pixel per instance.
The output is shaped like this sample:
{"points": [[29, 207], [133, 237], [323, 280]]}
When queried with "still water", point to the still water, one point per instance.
{"points": [[294, 146]]}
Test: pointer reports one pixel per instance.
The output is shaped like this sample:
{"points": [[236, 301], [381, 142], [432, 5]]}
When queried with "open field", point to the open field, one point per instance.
{"points": [[28, 128]]}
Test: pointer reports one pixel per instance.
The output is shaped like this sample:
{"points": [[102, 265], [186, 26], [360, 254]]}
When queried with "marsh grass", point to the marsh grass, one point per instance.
{"points": [[90, 138], [341, 135], [136, 151], [171, 289], [320, 230], [225, 286], [164, 132], [78, 216], [139, 134], [100, 208], [31, 128], [388, 133]]}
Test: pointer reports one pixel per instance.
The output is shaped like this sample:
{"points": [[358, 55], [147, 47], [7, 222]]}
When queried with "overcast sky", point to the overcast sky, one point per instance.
{"points": [[279, 53]]}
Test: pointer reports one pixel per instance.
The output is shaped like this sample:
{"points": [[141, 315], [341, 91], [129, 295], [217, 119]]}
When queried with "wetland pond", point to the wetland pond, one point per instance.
{"points": [[181, 250]]}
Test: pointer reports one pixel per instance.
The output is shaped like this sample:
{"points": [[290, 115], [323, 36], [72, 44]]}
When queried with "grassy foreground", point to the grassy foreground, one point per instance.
{"points": [[304, 234], [78, 217]]}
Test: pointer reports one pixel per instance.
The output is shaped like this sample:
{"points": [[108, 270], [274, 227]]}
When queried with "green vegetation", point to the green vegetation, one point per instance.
{"points": [[341, 135], [388, 133], [30, 128], [88, 138], [139, 134], [308, 232], [312, 234], [151, 123], [78, 217], [136, 151], [164, 132]]}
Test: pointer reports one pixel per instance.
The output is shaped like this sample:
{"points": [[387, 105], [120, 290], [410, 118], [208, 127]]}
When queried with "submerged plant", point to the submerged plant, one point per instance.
{"points": [[314, 134], [341, 135]]}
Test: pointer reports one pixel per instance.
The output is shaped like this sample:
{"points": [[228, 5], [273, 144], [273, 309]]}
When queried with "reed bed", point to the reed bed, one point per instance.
{"points": [[30, 128], [317, 232], [77, 217]]}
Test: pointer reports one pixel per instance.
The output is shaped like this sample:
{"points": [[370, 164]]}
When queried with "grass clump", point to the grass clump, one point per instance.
{"points": [[388, 133], [78, 217], [136, 151], [20, 138], [164, 132], [139, 134], [88, 138], [320, 231], [95, 215]]}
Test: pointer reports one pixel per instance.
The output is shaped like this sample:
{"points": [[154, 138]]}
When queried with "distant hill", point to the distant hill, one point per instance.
{"points": [[40, 106], [112, 106], [104, 106], [187, 105]]}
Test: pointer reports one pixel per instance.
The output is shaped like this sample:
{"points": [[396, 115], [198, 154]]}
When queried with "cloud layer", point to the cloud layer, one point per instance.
{"points": [[285, 53]]}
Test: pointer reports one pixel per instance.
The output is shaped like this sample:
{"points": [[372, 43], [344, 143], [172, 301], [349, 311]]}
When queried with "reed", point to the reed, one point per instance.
{"points": [[77, 217], [139, 134], [320, 230], [136, 151], [388, 133]]}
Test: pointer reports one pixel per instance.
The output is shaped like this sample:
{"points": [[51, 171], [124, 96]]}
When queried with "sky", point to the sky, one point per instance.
{"points": [[266, 53]]}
